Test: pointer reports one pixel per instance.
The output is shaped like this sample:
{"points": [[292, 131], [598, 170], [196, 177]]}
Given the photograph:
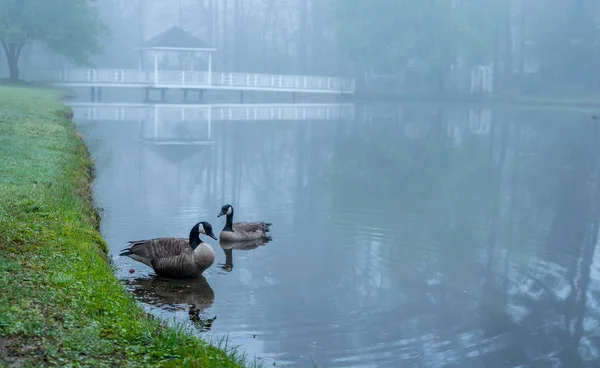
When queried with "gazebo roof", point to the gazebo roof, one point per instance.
{"points": [[176, 38]]}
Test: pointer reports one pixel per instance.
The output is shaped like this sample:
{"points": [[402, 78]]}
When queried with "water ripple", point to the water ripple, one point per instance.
{"points": [[483, 269]]}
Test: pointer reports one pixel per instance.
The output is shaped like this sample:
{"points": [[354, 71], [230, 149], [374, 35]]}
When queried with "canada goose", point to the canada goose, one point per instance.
{"points": [[242, 230], [175, 257]]}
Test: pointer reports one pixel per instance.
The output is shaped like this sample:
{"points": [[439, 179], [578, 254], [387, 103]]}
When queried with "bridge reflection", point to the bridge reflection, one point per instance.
{"points": [[171, 122]]}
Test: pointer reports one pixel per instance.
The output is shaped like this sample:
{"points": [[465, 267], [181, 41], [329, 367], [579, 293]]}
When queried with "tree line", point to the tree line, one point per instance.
{"points": [[532, 45]]}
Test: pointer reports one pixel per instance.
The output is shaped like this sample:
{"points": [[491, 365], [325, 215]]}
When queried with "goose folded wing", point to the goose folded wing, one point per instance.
{"points": [[250, 226], [160, 248]]}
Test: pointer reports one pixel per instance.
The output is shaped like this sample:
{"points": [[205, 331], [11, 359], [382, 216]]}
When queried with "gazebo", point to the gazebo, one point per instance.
{"points": [[175, 49]]}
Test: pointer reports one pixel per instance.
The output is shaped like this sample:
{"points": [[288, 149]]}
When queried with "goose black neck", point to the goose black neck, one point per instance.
{"points": [[194, 244], [194, 239], [229, 223]]}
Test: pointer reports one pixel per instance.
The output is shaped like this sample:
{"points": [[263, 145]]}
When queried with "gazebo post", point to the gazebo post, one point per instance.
{"points": [[155, 67], [140, 66], [209, 68]]}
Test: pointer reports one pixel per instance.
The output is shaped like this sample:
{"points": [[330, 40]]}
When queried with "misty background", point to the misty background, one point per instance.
{"points": [[409, 234], [530, 46]]}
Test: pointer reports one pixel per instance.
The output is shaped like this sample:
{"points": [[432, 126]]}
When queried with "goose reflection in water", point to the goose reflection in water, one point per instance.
{"points": [[228, 248], [174, 294]]}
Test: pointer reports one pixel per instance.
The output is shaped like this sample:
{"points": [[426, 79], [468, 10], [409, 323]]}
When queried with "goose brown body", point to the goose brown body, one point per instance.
{"points": [[175, 257], [242, 230]]}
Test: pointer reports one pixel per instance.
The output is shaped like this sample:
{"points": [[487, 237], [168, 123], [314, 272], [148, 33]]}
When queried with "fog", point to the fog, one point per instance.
{"points": [[534, 46], [433, 205]]}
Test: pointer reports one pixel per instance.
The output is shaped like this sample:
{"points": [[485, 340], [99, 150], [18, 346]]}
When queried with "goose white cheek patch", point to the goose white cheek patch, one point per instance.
{"points": [[228, 211]]}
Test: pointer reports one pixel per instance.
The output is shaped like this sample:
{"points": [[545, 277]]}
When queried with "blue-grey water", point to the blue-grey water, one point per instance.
{"points": [[403, 236]]}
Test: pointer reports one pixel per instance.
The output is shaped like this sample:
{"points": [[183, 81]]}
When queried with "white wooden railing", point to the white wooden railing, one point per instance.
{"points": [[194, 79]]}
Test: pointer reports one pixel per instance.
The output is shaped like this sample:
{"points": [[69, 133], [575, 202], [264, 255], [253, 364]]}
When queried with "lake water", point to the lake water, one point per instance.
{"points": [[403, 236]]}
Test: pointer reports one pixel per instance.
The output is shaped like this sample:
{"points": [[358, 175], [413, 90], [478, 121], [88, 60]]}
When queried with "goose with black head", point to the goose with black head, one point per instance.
{"points": [[242, 230], [175, 257]]}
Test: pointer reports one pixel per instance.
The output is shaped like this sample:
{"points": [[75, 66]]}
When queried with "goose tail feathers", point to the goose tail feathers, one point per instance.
{"points": [[127, 251]]}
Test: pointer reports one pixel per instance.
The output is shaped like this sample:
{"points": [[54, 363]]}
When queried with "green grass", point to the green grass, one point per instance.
{"points": [[60, 303]]}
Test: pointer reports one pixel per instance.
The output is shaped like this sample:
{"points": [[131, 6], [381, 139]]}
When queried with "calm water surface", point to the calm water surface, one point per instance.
{"points": [[403, 236]]}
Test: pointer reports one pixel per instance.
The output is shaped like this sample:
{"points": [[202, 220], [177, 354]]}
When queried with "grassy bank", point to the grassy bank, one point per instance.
{"points": [[61, 304]]}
